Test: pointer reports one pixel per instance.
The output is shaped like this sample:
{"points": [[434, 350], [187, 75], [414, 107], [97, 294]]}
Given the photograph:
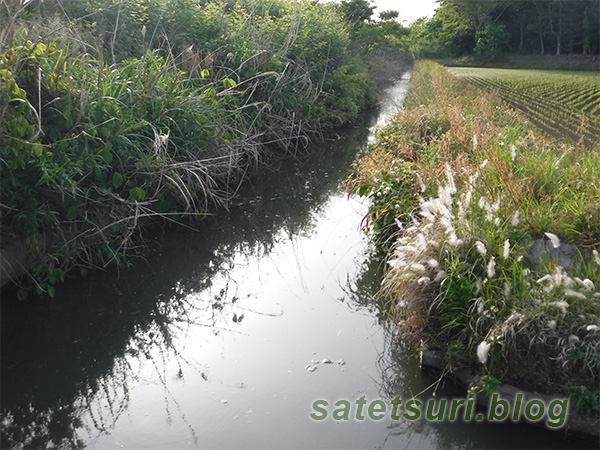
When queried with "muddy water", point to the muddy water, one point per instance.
{"points": [[225, 336]]}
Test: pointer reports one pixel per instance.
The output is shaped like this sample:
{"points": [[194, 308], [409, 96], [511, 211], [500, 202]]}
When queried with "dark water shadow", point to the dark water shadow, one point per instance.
{"points": [[62, 356]]}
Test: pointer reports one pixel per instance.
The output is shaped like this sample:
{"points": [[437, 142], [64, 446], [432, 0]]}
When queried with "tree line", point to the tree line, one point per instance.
{"points": [[491, 27]]}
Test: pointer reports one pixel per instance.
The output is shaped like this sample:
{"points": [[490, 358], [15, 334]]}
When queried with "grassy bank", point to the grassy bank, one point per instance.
{"points": [[117, 115], [475, 212]]}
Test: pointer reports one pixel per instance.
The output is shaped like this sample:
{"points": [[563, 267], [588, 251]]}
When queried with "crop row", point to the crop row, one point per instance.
{"points": [[557, 102], [552, 117], [549, 105], [576, 97]]}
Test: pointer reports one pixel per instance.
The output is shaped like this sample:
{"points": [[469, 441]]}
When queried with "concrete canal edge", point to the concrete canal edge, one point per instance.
{"points": [[576, 423]]}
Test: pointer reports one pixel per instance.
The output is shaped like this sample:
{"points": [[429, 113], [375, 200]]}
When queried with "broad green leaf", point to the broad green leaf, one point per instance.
{"points": [[55, 275], [229, 83], [117, 179], [107, 155], [137, 194]]}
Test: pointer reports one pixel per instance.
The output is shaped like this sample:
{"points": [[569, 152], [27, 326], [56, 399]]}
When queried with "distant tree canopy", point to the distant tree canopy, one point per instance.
{"points": [[490, 27], [389, 15], [357, 11]]}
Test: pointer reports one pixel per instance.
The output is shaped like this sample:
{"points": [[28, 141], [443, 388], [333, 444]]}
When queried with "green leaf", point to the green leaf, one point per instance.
{"points": [[229, 83], [39, 49], [55, 275], [13, 88], [107, 155], [117, 179], [137, 194], [38, 149], [51, 291], [37, 271], [164, 205], [73, 212], [205, 73]]}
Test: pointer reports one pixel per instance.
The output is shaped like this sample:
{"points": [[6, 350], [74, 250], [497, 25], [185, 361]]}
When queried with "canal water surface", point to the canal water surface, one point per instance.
{"points": [[223, 337]]}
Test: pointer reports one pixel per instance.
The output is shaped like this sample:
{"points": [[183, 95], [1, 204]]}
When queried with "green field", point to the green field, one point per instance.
{"points": [[562, 103]]}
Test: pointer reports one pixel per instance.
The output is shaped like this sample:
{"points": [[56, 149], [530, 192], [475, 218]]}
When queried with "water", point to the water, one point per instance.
{"points": [[206, 343]]}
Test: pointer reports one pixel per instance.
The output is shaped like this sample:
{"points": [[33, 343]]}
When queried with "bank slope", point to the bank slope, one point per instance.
{"points": [[490, 231]]}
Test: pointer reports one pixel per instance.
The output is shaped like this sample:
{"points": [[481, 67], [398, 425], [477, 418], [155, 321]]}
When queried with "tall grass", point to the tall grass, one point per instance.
{"points": [[481, 188], [159, 114]]}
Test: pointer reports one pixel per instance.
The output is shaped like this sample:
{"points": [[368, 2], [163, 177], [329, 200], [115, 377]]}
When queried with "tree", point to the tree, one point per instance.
{"points": [[455, 32], [555, 22], [488, 27], [491, 40], [357, 11], [423, 39], [586, 44], [475, 14], [389, 15]]}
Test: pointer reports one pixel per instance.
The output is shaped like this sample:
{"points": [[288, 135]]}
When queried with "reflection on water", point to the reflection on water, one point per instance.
{"points": [[67, 363], [206, 342]]}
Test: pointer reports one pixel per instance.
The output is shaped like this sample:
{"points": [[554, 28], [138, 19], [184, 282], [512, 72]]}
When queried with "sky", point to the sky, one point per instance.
{"points": [[409, 10]]}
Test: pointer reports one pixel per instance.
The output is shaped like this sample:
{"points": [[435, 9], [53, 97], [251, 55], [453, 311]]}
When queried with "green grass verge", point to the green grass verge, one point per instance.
{"points": [[462, 187]]}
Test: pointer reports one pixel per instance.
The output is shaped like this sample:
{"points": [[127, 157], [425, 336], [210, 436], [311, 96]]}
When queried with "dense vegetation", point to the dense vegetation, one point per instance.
{"points": [[490, 28], [474, 208], [563, 104], [115, 114]]}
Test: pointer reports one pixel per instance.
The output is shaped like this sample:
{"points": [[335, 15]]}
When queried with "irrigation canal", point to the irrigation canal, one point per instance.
{"points": [[222, 338]]}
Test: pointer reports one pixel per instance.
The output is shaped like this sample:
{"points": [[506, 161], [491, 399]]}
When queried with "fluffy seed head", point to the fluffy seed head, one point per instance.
{"points": [[513, 318], [423, 281], [515, 219], [589, 284], [562, 305], [574, 294], [596, 256], [483, 350], [506, 249], [480, 247], [433, 263], [553, 239], [491, 268]]}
